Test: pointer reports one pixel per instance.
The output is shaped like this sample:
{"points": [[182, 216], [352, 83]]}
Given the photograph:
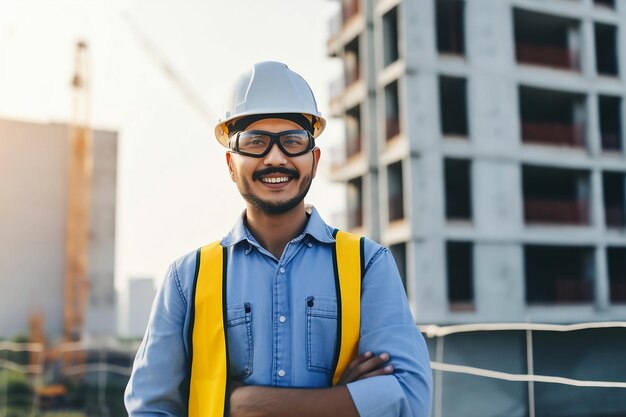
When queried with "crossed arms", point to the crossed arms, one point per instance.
{"points": [[258, 401]]}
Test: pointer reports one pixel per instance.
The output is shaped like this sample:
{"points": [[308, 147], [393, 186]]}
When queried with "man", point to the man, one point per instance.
{"points": [[276, 324]]}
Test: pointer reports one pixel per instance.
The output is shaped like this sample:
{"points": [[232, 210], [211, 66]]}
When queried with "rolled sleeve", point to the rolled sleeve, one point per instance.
{"points": [[389, 399], [388, 326], [158, 385]]}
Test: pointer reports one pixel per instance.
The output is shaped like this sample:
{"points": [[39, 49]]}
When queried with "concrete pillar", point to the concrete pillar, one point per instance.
{"points": [[371, 205], [592, 126], [596, 202], [620, 9], [426, 250], [499, 284], [588, 57], [492, 97], [497, 198], [426, 260], [601, 279], [601, 283]]}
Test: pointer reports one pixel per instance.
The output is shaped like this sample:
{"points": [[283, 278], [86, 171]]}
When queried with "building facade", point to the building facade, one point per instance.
{"points": [[33, 202], [485, 146]]}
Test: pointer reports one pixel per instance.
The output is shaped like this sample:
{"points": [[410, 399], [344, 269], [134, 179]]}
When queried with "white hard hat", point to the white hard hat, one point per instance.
{"points": [[269, 88]]}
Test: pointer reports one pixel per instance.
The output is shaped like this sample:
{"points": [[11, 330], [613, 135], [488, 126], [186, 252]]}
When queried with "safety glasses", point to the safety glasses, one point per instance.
{"points": [[258, 143]]}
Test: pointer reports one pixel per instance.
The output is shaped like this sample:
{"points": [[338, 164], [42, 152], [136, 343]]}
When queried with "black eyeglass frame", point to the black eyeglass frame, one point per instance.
{"points": [[274, 139]]}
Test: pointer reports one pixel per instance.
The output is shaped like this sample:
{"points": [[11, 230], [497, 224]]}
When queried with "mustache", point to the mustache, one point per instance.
{"points": [[275, 170]]}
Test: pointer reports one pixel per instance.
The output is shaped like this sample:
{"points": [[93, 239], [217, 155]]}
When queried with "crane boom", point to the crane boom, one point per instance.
{"points": [[183, 87]]}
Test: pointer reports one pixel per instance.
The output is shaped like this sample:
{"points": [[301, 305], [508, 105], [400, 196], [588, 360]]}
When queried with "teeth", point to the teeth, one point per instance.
{"points": [[275, 180]]}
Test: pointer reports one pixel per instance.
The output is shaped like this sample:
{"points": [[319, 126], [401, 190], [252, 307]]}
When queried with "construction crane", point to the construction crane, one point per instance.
{"points": [[76, 289], [175, 77], [76, 283]]}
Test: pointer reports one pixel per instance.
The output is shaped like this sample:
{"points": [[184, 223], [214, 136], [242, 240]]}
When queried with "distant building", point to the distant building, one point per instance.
{"points": [[33, 200], [141, 292], [485, 146]]}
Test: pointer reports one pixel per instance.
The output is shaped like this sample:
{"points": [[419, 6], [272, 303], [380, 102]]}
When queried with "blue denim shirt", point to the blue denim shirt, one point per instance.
{"points": [[275, 338]]}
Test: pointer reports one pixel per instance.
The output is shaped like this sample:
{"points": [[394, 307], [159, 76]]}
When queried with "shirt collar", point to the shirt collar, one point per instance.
{"points": [[315, 227]]}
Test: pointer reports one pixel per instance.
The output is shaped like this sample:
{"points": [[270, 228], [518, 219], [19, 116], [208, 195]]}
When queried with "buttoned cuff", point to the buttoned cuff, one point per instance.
{"points": [[378, 396]]}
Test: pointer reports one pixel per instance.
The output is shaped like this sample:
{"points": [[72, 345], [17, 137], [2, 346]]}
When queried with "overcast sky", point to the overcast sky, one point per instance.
{"points": [[174, 192]]}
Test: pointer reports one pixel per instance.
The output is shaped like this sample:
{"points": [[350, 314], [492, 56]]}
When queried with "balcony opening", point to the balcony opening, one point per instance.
{"points": [[610, 123], [353, 132], [614, 184], [392, 111], [352, 62], [556, 196], [396, 191], [616, 258], [355, 203], [547, 40], [558, 274], [605, 3], [606, 49], [399, 254], [391, 50], [458, 188], [459, 261], [349, 9], [453, 106], [450, 20], [552, 118]]}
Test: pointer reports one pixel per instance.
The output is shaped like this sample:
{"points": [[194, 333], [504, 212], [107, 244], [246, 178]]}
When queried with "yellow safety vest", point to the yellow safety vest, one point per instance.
{"points": [[208, 388]]}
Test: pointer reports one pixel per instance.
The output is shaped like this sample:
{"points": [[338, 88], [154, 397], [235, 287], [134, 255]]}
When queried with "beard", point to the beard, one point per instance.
{"points": [[273, 208]]}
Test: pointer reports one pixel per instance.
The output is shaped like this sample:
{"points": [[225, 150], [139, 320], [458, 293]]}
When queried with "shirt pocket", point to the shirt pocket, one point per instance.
{"points": [[321, 335], [239, 340]]}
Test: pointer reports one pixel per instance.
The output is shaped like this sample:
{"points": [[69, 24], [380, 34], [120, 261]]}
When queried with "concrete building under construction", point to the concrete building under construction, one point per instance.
{"points": [[34, 167], [485, 146]]}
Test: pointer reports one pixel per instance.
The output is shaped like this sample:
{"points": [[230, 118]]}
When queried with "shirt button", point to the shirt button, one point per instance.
{"points": [[281, 373], [282, 270], [282, 319]]}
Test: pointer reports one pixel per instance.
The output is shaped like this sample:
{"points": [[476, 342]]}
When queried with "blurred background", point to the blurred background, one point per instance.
{"points": [[481, 140]]}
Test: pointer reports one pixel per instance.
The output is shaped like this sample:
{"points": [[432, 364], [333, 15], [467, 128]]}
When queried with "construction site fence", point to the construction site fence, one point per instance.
{"points": [[94, 369], [438, 365], [98, 362]]}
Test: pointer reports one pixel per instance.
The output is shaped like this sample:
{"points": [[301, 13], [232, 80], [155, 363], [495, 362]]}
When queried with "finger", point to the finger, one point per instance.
{"points": [[358, 360], [387, 370], [362, 365], [375, 362], [349, 374]]}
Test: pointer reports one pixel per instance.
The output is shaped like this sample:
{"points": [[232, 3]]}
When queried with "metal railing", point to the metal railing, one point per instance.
{"points": [[530, 377], [547, 55], [557, 212], [555, 134]]}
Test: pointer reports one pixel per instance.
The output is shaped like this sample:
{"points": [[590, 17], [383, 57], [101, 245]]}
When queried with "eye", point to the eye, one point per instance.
{"points": [[293, 140], [253, 141], [256, 140]]}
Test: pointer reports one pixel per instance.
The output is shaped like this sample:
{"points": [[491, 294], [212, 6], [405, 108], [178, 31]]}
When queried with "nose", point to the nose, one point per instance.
{"points": [[275, 156]]}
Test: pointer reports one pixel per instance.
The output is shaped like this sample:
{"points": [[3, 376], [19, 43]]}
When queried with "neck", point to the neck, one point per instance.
{"points": [[273, 232]]}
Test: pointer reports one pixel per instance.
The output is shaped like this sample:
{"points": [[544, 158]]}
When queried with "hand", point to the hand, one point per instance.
{"points": [[366, 366]]}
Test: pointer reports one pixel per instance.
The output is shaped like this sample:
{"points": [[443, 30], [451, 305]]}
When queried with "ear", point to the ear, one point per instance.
{"points": [[229, 162], [316, 159]]}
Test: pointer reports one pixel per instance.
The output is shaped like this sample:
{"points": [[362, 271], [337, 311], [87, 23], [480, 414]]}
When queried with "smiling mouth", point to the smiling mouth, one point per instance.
{"points": [[275, 180]]}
